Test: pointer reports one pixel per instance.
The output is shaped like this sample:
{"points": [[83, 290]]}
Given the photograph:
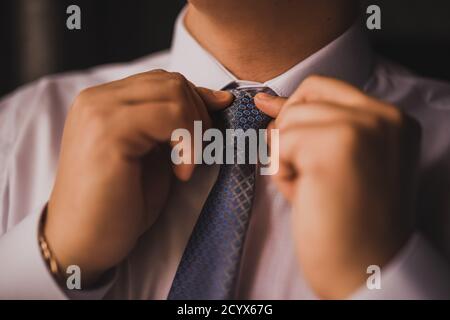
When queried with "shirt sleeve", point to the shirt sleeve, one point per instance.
{"points": [[24, 273], [31, 124], [418, 272]]}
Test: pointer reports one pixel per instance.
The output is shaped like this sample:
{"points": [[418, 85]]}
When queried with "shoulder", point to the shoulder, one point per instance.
{"points": [[32, 121], [395, 83], [424, 99], [71, 82]]}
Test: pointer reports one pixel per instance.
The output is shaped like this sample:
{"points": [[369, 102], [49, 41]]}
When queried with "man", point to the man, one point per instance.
{"points": [[109, 201]]}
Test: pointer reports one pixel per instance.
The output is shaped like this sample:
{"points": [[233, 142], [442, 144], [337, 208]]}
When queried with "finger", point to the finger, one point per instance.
{"points": [[155, 122], [301, 150], [323, 89], [215, 100], [191, 108], [285, 180], [156, 86], [200, 106], [321, 113], [288, 173], [148, 123], [270, 127], [270, 105], [183, 171]]}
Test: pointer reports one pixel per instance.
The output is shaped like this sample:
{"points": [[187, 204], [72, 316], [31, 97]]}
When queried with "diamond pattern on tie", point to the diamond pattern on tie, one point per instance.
{"points": [[210, 263]]}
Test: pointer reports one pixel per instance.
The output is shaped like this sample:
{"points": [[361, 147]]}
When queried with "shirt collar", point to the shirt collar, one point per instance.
{"points": [[348, 58]]}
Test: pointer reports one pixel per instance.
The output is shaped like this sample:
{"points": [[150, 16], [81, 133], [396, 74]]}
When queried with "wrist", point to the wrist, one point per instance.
{"points": [[346, 275], [58, 262]]}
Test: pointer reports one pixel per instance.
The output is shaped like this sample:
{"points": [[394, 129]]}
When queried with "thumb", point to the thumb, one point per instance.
{"points": [[215, 100], [270, 105]]}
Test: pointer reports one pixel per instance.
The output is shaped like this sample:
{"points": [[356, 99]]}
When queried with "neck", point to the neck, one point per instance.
{"points": [[258, 42]]}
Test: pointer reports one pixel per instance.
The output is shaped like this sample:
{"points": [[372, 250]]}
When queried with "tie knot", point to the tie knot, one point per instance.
{"points": [[243, 114]]}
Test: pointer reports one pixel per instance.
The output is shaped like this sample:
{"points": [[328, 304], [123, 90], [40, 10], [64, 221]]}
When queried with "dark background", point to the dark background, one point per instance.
{"points": [[34, 40]]}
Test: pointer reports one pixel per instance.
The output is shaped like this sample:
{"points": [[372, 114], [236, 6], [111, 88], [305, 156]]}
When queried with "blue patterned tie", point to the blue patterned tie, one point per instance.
{"points": [[210, 263]]}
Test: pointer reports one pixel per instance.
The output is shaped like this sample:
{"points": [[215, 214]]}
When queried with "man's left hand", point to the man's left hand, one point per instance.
{"points": [[347, 166]]}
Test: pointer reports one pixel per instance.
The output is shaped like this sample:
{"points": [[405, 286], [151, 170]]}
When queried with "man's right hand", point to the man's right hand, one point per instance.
{"points": [[114, 171]]}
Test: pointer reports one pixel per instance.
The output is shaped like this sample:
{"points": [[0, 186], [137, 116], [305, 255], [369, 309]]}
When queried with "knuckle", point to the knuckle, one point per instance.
{"points": [[312, 80], [307, 89], [177, 80], [360, 99], [177, 85], [143, 77], [349, 134], [396, 116], [307, 85], [146, 76], [282, 120], [375, 123], [390, 113], [157, 71], [85, 97]]}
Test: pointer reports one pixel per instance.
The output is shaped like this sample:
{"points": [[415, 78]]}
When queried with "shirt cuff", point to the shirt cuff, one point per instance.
{"points": [[24, 273], [418, 272]]}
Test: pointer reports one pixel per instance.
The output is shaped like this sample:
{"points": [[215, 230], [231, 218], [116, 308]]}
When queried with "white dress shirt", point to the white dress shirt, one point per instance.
{"points": [[32, 121]]}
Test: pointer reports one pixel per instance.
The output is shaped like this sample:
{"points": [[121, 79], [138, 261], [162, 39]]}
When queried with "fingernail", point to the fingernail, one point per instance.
{"points": [[263, 96]]}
